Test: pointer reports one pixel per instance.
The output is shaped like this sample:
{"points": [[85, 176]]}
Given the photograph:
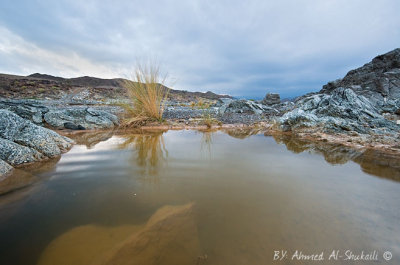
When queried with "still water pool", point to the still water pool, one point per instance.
{"points": [[190, 197]]}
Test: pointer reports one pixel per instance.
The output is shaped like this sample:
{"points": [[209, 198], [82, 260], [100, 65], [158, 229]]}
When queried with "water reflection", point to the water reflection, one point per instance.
{"points": [[207, 140], [150, 149], [252, 198], [90, 139], [26, 175], [151, 153], [373, 162], [242, 133]]}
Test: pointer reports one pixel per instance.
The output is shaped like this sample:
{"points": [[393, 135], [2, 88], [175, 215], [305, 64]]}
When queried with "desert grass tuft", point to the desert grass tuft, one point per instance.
{"points": [[147, 95]]}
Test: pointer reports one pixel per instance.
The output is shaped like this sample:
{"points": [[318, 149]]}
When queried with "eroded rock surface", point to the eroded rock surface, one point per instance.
{"points": [[57, 115], [365, 101], [378, 80], [21, 141], [80, 118], [342, 110]]}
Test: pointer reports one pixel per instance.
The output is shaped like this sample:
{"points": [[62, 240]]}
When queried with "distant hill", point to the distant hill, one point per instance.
{"points": [[47, 86], [47, 77]]}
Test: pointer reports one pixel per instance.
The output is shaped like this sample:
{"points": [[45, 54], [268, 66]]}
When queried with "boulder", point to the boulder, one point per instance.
{"points": [[15, 129], [224, 104], [16, 154], [271, 99], [80, 117], [249, 107]]}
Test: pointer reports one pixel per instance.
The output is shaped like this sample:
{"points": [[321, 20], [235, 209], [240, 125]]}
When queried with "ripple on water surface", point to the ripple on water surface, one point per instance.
{"points": [[189, 197]]}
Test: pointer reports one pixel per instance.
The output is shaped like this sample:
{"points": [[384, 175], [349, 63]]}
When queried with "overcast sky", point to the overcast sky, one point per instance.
{"points": [[243, 48]]}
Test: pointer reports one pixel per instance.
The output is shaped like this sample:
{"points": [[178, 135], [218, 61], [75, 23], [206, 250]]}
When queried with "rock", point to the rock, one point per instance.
{"points": [[378, 80], [28, 109], [365, 101], [271, 99], [225, 100], [80, 117], [5, 169], [72, 126], [249, 107], [15, 154], [56, 114], [21, 141], [186, 113], [341, 110], [24, 133], [225, 103]]}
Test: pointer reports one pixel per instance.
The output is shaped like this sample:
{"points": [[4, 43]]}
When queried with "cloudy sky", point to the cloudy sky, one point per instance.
{"points": [[243, 48]]}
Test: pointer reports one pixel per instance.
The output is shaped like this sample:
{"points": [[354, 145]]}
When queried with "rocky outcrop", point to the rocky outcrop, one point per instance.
{"points": [[342, 110], [365, 101], [80, 118], [16, 154], [378, 80], [55, 114], [21, 141], [28, 109], [249, 107], [271, 99], [24, 132]]}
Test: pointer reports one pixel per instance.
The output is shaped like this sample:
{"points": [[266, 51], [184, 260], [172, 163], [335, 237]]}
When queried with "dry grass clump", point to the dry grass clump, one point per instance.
{"points": [[147, 94]]}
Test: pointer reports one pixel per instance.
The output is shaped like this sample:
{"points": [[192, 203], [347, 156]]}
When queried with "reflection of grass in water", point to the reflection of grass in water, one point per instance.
{"points": [[150, 150], [206, 140]]}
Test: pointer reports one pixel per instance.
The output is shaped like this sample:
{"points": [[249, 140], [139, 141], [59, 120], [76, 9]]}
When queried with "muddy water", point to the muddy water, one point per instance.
{"points": [[187, 197]]}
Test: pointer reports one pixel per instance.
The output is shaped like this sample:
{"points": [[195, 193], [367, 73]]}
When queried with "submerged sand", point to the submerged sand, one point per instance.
{"points": [[169, 237]]}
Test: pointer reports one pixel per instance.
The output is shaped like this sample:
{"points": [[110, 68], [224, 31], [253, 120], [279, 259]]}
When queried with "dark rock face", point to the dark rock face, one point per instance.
{"points": [[72, 126], [21, 141], [378, 80], [271, 99], [366, 100]]}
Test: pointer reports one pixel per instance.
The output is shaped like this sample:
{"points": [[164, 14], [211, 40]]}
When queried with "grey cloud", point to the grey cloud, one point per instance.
{"points": [[242, 48]]}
